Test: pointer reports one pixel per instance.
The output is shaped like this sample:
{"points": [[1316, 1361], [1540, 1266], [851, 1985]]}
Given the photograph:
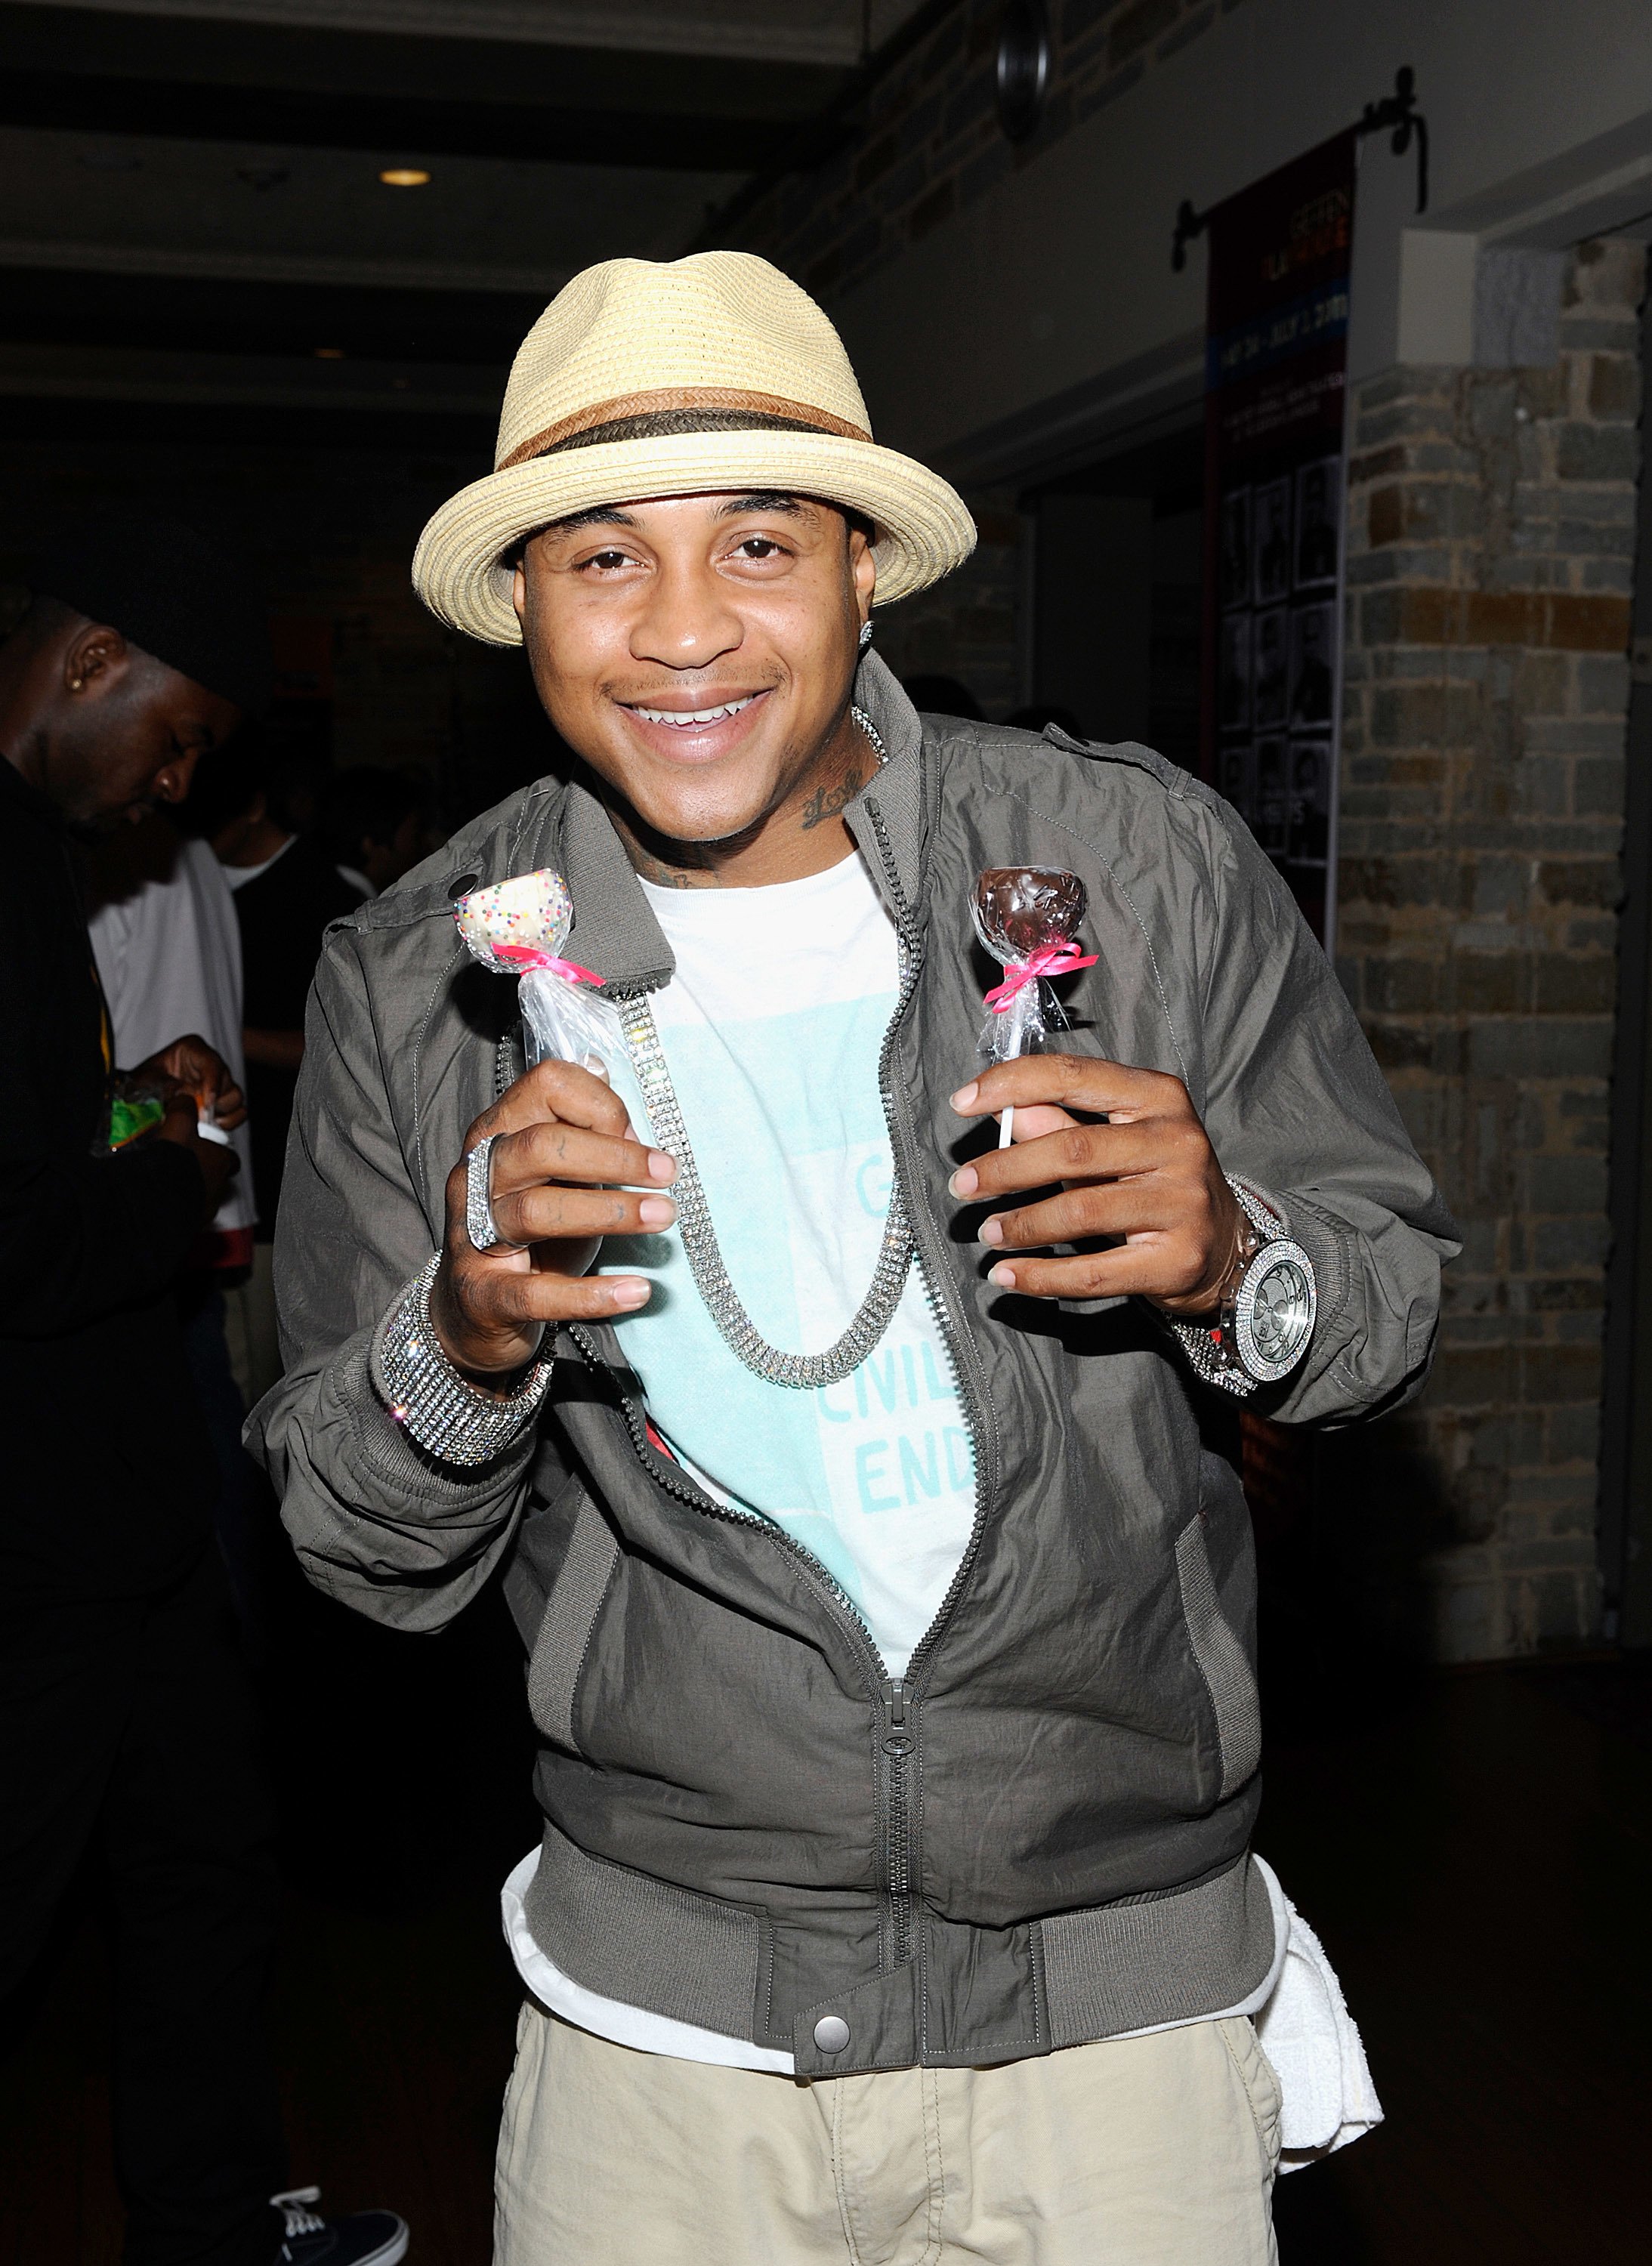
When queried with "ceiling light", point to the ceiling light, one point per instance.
{"points": [[404, 176]]}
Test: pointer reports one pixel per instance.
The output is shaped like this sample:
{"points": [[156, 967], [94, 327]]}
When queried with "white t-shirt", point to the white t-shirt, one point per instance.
{"points": [[169, 959], [771, 1028], [238, 876]]}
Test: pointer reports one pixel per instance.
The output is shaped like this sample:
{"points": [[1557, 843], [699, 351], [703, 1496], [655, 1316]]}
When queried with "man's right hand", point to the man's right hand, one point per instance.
{"points": [[566, 1167], [217, 1161]]}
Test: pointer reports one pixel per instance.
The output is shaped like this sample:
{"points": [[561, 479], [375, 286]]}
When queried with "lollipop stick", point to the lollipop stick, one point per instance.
{"points": [[1020, 1016]]}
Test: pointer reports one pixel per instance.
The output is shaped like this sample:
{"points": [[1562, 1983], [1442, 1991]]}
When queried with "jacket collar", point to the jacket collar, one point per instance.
{"points": [[614, 933], [893, 804]]}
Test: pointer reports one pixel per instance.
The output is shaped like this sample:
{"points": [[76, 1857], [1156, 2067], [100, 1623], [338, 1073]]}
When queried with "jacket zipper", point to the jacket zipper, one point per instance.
{"points": [[976, 1405], [659, 1468], [901, 1745], [899, 1742], [898, 1745]]}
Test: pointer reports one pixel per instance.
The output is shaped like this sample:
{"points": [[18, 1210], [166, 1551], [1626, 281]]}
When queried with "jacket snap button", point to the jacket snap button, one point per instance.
{"points": [[831, 2034], [462, 884]]}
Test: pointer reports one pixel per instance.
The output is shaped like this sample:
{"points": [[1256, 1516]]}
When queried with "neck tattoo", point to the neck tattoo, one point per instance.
{"points": [[832, 802], [668, 877], [827, 802]]}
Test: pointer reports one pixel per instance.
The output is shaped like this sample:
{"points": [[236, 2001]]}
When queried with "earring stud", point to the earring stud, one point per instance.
{"points": [[865, 635]]}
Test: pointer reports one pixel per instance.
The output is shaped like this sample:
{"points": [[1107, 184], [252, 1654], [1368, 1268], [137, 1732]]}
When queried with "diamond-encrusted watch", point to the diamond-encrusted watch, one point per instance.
{"points": [[449, 1416], [1265, 1319]]}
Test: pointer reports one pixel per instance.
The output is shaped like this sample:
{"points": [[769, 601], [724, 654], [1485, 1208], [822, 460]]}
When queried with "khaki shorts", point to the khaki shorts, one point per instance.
{"points": [[1139, 2151]]}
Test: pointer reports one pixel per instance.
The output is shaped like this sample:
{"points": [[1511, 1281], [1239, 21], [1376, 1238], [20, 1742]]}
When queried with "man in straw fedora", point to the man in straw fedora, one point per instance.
{"points": [[865, 1492]]}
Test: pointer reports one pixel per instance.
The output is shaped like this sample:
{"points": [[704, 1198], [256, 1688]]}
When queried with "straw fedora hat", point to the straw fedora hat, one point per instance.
{"points": [[651, 378]]}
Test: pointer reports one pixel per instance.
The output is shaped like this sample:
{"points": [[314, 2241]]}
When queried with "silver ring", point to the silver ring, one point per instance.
{"points": [[479, 1223]]}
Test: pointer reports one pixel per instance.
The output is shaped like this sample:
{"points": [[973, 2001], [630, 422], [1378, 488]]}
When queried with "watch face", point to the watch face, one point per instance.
{"points": [[1274, 1320]]}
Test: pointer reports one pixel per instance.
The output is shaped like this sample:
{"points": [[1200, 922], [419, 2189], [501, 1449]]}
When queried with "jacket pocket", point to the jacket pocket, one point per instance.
{"points": [[570, 1616], [1221, 1661]]}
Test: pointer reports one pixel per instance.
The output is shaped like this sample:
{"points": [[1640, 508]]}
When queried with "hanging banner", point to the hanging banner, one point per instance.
{"points": [[1275, 360]]}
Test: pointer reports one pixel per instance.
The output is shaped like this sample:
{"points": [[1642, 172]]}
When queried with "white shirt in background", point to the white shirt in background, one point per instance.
{"points": [[169, 959], [238, 876]]}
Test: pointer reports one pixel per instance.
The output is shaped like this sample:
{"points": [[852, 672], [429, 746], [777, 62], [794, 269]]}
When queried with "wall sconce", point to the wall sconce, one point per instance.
{"points": [[1022, 67]]}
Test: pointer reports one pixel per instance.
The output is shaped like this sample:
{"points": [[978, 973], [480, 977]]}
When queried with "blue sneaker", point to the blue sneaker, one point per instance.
{"points": [[361, 2238]]}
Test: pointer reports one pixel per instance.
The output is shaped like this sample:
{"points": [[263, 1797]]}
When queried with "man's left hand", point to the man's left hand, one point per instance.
{"points": [[1147, 1176], [193, 1067]]}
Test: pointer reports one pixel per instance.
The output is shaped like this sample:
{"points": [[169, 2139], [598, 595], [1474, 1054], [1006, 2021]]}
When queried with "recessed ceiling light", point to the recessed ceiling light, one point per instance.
{"points": [[328, 354], [404, 176]]}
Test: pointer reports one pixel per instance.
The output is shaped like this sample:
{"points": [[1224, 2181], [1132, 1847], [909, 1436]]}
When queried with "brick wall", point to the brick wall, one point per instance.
{"points": [[1491, 539], [1492, 524], [931, 145]]}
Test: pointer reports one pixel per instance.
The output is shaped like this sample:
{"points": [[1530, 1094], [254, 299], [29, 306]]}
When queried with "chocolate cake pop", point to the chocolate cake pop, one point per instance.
{"points": [[1027, 918]]}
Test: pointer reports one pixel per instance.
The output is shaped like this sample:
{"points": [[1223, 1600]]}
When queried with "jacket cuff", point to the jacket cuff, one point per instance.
{"points": [[397, 1469], [1328, 1243]]}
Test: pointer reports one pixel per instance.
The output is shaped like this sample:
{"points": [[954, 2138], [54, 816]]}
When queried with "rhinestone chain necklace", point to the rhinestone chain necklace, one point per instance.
{"points": [[802, 1371]]}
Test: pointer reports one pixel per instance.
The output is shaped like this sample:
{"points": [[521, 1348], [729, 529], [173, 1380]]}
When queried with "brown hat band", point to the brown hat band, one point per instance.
{"points": [[797, 416]]}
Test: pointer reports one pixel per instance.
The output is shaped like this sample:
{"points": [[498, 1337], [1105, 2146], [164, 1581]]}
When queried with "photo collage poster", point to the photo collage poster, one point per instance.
{"points": [[1276, 482]]}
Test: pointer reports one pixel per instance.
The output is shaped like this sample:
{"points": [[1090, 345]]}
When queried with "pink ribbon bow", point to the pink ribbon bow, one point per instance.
{"points": [[529, 955], [1062, 958]]}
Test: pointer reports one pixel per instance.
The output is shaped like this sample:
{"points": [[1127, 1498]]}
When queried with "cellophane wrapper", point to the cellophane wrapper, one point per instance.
{"points": [[1017, 910], [505, 927], [564, 1021], [1025, 1024]]}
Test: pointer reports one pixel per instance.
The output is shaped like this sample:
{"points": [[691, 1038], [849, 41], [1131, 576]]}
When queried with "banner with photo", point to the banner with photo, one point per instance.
{"points": [[1274, 481]]}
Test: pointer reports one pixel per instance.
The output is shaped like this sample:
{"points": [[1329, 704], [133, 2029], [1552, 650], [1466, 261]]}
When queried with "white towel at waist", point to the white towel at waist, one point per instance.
{"points": [[1304, 2028]]}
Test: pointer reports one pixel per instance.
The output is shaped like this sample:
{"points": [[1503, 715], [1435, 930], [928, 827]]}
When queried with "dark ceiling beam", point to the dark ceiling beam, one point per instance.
{"points": [[392, 125], [208, 51], [42, 306], [101, 70], [31, 420]]}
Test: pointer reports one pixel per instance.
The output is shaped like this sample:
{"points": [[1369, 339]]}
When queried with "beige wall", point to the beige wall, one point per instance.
{"points": [[1056, 275]]}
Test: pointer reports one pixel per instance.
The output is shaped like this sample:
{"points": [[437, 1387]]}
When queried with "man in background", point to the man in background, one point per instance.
{"points": [[168, 949], [286, 891], [124, 1715], [372, 826]]}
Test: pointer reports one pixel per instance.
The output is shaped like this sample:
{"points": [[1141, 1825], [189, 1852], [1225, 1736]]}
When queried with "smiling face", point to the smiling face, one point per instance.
{"points": [[699, 653]]}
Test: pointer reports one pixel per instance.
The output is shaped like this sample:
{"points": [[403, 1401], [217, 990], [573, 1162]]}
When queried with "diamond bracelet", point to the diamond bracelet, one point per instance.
{"points": [[1206, 1349], [450, 1417]]}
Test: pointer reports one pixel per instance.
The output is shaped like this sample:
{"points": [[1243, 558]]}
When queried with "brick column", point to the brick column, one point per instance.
{"points": [[1491, 528]]}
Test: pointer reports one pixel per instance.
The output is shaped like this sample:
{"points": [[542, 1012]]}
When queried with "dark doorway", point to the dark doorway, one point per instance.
{"points": [[1119, 561]]}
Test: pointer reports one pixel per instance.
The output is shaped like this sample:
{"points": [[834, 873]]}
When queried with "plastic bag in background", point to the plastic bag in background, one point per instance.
{"points": [[518, 927]]}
